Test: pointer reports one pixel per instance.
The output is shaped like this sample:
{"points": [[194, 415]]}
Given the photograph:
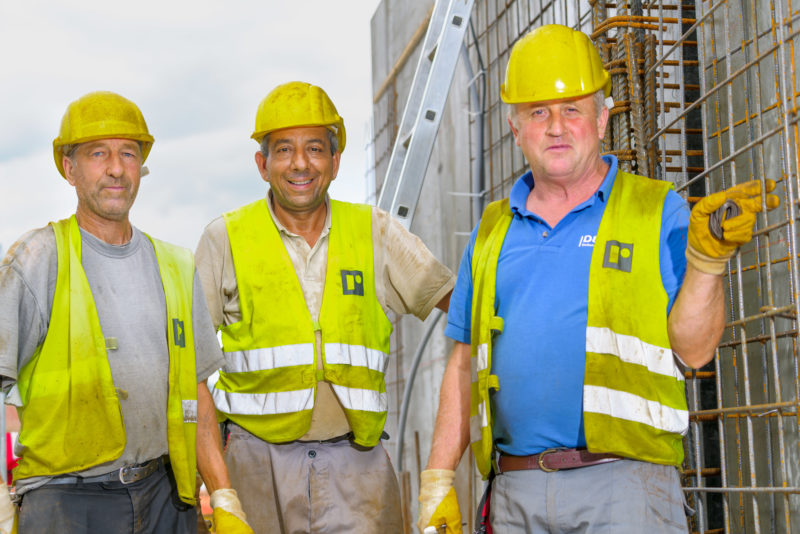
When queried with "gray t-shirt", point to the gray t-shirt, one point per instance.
{"points": [[128, 293]]}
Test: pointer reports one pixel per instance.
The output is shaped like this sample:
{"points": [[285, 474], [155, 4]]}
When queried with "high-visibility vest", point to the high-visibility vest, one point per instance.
{"points": [[269, 381], [634, 401], [71, 418]]}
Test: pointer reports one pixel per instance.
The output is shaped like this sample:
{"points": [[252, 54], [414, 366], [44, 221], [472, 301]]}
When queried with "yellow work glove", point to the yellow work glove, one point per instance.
{"points": [[229, 518], [710, 255], [8, 511], [438, 505]]}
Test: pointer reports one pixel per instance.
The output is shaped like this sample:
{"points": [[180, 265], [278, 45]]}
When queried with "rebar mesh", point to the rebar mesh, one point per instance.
{"points": [[705, 96]]}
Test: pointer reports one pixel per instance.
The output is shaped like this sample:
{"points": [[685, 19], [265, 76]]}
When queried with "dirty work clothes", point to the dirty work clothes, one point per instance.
{"points": [[129, 297], [144, 507], [626, 496], [408, 279], [301, 487]]}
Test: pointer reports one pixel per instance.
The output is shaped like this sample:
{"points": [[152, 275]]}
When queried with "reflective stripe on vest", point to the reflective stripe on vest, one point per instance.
{"points": [[642, 417], [264, 403], [268, 384], [484, 325], [71, 418], [634, 400], [242, 361]]}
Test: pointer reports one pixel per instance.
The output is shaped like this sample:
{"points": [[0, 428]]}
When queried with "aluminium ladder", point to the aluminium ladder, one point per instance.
{"points": [[423, 112]]}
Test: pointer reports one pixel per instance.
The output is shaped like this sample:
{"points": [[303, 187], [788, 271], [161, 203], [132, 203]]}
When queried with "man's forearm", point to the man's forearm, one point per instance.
{"points": [[451, 434], [697, 318], [210, 462]]}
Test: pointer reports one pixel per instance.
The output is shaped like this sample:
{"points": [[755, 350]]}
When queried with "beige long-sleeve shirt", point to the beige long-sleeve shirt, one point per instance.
{"points": [[408, 279]]}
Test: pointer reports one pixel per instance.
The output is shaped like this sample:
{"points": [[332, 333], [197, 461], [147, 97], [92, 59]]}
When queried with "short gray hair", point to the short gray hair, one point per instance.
{"points": [[334, 142], [599, 101]]}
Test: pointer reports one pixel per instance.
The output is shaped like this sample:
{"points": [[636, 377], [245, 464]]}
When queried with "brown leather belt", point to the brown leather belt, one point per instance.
{"points": [[555, 460]]}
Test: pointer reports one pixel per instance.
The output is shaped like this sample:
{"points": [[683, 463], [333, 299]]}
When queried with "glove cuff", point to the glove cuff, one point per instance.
{"points": [[228, 500], [705, 263], [435, 483]]}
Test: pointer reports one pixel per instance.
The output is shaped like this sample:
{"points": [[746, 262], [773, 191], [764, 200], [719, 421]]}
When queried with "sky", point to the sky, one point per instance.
{"points": [[198, 71]]}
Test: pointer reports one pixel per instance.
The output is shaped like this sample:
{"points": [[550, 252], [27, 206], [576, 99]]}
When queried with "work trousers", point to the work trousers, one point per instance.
{"points": [[144, 507], [319, 487], [626, 496]]}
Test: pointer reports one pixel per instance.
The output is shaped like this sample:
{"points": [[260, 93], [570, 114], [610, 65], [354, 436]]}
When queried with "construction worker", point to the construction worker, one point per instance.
{"points": [[301, 286], [572, 297], [105, 344]]}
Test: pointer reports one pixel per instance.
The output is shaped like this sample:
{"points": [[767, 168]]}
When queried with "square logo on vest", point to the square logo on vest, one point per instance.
{"points": [[618, 256], [178, 333], [352, 283]]}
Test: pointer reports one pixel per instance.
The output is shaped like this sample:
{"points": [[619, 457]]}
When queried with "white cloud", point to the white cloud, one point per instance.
{"points": [[198, 71]]}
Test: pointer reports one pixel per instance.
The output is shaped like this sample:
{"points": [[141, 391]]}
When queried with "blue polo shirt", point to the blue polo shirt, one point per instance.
{"points": [[542, 296]]}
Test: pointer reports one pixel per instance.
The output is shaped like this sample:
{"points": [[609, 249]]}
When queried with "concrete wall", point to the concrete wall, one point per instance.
{"points": [[439, 219]]}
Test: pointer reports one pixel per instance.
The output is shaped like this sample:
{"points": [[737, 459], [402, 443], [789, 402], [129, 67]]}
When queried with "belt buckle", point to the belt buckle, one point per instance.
{"points": [[123, 472], [540, 461]]}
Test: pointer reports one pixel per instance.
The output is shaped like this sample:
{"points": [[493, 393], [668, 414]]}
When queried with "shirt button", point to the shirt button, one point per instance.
{"points": [[544, 234], [312, 454]]}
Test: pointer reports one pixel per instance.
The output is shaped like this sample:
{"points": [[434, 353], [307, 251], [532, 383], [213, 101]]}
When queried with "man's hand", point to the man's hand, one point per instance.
{"points": [[229, 518], [710, 254], [8, 512], [438, 504]]}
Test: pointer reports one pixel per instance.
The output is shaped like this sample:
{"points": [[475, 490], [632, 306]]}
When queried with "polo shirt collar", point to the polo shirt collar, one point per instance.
{"points": [[518, 197]]}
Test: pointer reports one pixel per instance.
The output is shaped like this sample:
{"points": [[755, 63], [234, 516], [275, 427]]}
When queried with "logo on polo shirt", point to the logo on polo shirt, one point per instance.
{"points": [[352, 283], [587, 240], [618, 256]]}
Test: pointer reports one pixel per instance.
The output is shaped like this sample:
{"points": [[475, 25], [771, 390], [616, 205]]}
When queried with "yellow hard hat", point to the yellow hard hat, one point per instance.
{"points": [[101, 115], [553, 62], [296, 104]]}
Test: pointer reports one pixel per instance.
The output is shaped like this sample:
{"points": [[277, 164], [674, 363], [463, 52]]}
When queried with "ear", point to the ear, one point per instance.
{"points": [[69, 170], [602, 121], [261, 163], [336, 159]]}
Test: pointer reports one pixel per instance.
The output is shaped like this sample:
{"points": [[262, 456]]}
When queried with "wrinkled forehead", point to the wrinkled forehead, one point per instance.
{"points": [[110, 142]]}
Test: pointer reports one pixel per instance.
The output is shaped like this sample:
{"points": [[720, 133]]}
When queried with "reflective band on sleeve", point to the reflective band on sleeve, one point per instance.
{"points": [[365, 400], [243, 361], [630, 349], [356, 356], [263, 403], [631, 407]]}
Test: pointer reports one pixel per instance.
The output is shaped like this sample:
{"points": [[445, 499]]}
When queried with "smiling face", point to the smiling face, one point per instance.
{"points": [[560, 138], [299, 168], [106, 175]]}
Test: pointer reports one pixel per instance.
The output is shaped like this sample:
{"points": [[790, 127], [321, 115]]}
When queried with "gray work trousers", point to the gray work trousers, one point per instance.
{"points": [[622, 497], [147, 506], [299, 487]]}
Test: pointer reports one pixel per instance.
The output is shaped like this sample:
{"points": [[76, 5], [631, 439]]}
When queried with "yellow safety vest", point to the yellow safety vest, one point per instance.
{"points": [[71, 418], [269, 382], [634, 401]]}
